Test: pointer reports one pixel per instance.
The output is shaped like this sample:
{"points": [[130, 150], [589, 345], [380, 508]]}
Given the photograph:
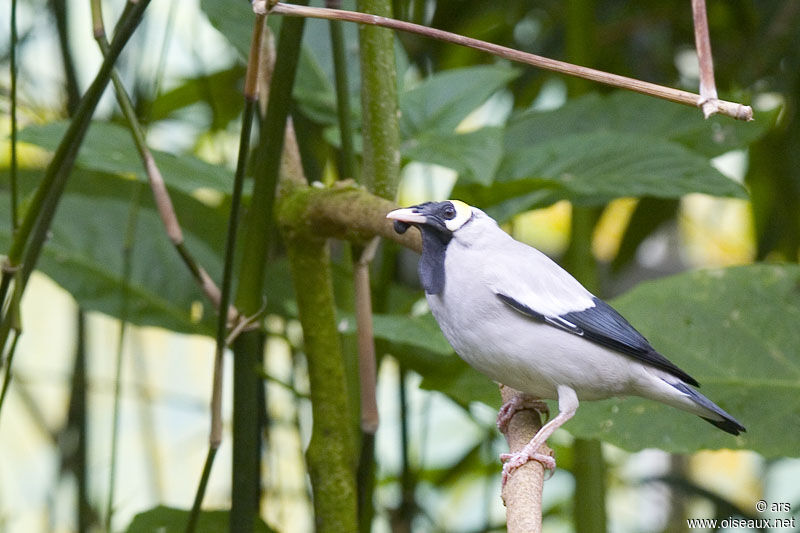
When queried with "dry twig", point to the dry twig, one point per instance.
{"points": [[731, 109]]}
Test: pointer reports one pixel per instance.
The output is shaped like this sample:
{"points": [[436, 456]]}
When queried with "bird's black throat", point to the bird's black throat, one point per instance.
{"points": [[431, 263]]}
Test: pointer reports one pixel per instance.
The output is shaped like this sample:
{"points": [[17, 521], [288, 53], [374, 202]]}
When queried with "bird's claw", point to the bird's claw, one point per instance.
{"points": [[519, 402], [512, 461]]}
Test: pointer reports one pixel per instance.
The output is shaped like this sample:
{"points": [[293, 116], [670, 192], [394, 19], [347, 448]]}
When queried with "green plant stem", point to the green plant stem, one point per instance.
{"points": [[589, 470], [250, 99], [342, 212], [407, 508], [590, 486], [343, 110], [194, 515], [379, 103], [267, 169], [248, 347], [127, 256], [32, 232], [331, 453], [246, 480], [61, 16], [78, 420], [380, 173], [8, 362], [13, 112]]}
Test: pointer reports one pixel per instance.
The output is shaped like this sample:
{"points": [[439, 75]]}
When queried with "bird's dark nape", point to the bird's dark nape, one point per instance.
{"points": [[730, 426]]}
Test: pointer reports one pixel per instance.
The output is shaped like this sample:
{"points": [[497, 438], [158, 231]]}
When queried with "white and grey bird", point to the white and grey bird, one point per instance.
{"points": [[516, 316]]}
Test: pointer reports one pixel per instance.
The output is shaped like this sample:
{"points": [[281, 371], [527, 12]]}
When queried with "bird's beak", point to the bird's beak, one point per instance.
{"points": [[409, 215], [404, 218]]}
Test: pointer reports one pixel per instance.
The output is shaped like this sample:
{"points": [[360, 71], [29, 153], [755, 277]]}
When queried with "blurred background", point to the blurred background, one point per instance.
{"points": [[106, 419]]}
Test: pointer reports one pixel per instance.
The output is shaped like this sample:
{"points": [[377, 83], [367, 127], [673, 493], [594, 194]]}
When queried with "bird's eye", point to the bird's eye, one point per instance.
{"points": [[449, 212]]}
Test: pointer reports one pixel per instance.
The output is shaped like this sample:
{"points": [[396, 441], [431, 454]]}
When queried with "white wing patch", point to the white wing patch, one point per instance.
{"points": [[534, 280]]}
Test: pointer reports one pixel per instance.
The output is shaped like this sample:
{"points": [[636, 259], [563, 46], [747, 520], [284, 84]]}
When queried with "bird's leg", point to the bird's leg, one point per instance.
{"points": [[567, 405], [519, 402]]}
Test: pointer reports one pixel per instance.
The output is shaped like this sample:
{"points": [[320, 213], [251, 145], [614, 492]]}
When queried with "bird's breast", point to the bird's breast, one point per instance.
{"points": [[520, 352]]}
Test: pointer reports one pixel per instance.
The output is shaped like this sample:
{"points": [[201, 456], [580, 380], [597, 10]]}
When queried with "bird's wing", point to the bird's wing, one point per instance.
{"points": [[550, 295]]}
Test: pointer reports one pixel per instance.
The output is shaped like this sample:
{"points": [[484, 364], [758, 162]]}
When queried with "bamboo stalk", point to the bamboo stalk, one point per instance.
{"points": [[215, 433], [13, 113], [331, 451]]}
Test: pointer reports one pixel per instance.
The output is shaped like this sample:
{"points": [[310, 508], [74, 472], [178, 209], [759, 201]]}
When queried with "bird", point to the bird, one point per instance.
{"points": [[515, 315]]}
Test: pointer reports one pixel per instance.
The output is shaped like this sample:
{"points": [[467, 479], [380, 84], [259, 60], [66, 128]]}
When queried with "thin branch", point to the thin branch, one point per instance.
{"points": [[367, 368], [250, 96], [127, 255], [731, 109], [522, 493], [702, 41], [215, 433], [348, 158], [8, 361], [161, 197]]}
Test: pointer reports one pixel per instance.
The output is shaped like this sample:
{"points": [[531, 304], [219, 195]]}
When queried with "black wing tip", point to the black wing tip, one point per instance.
{"points": [[728, 425], [661, 362]]}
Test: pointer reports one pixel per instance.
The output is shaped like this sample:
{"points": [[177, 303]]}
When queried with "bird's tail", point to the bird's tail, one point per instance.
{"points": [[722, 420]]}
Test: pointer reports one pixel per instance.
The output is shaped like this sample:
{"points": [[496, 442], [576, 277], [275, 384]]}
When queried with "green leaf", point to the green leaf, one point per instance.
{"points": [[736, 331], [594, 149], [594, 168], [314, 92], [442, 101], [217, 90], [627, 112], [462, 383], [165, 519], [84, 252], [601, 166], [412, 331], [418, 343], [234, 21], [475, 155], [110, 148]]}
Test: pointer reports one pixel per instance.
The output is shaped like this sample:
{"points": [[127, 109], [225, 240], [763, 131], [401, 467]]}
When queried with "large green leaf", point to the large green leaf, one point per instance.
{"points": [[84, 252], [165, 519], [234, 21], [605, 165], [419, 332], [442, 101], [474, 155], [594, 149], [110, 148], [218, 90], [736, 331], [627, 112], [593, 168]]}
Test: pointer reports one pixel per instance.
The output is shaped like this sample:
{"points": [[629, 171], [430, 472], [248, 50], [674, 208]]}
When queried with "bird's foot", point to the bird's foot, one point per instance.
{"points": [[519, 402], [512, 461]]}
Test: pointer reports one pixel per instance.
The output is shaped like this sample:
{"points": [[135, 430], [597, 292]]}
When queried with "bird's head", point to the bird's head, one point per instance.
{"points": [[440, 219], [437, 222]]}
